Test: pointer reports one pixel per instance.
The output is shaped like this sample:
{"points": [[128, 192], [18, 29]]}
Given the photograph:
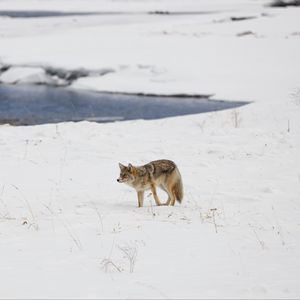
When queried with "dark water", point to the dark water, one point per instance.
{"points": [[53, 13], [47, 13], [30, 105]]}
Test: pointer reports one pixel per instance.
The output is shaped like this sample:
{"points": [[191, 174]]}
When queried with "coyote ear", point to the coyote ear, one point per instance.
{"points": [[129, 167], [121, 166]]}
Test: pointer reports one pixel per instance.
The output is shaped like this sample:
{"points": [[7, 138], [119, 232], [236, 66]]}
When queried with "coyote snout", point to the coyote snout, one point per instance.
{"points": [[160, 173]]}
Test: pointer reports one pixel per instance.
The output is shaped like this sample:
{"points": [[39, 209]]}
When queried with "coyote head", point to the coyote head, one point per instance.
{"points": [[126, 174]]}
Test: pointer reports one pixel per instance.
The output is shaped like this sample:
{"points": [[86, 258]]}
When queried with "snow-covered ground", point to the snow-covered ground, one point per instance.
{"points": [[69, 230]]}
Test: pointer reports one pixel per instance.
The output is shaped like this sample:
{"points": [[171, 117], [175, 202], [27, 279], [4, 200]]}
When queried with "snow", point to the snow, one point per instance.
{"points": [[66, 224], [27, 75]]}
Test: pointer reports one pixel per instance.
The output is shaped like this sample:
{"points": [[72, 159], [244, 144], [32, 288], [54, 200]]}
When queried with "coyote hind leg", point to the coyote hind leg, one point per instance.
{"points": [[171, 194], [169, 198], [173, 200], [153, 190], [168, 201]]}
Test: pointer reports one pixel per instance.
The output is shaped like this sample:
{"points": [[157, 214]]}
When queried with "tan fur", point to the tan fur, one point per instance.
{"points": [[159, 173]]}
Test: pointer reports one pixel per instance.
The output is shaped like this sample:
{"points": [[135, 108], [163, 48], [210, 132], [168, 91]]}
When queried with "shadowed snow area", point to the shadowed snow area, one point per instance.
{"points": [[30, 105]]}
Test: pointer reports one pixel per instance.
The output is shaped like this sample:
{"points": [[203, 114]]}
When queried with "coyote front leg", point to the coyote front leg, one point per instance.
{"points": [[140, 198], [153, 190]]}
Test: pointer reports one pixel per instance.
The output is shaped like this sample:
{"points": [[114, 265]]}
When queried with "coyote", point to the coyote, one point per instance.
{"points": [[159, 173]]}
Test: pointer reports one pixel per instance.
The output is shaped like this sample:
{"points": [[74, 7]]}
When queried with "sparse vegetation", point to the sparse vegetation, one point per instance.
{"points": [[236, 118], [32, 220], [130, 253], [4, 214], [107, 264], [99, 215], [210, 217]]}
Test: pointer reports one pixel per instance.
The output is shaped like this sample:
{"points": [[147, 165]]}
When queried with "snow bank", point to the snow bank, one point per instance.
{"points": [[47, 75], [28, 75], [141, 80]]}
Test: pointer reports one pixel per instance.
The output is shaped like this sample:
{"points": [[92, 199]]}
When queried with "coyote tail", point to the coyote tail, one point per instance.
{"points": [[178, 189]]}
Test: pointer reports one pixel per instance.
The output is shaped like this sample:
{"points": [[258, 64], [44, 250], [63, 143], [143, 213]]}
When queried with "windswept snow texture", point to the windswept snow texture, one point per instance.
{"points": [[69, 230]]}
